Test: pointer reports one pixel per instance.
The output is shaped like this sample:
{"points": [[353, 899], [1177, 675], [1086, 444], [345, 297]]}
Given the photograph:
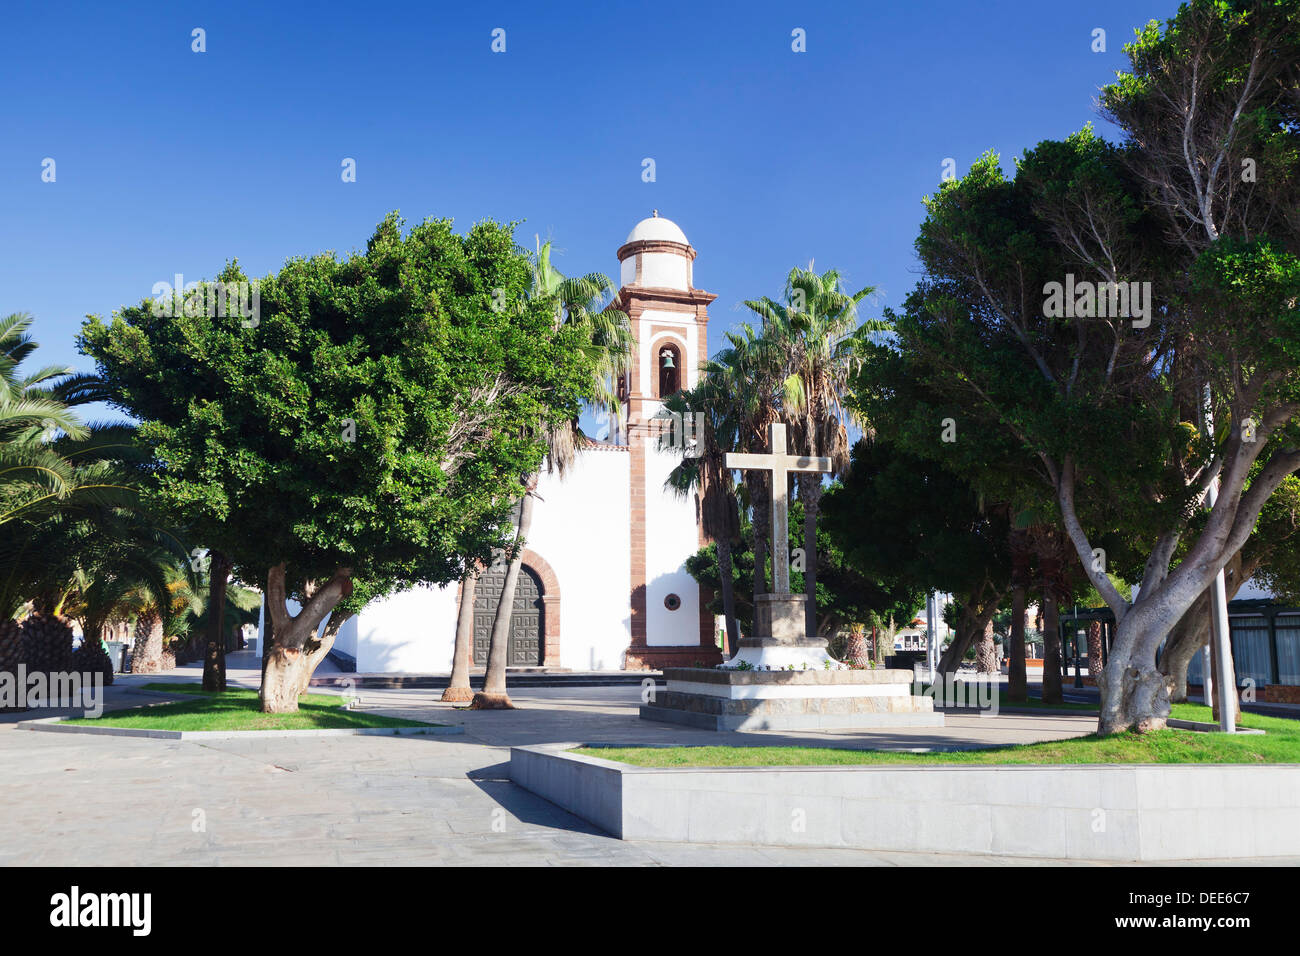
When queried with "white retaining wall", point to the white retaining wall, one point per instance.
{"points": [[1092, 812]]}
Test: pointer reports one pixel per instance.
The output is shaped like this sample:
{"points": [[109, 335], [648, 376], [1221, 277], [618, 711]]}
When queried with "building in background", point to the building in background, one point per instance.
{"points": [[603, 584]]}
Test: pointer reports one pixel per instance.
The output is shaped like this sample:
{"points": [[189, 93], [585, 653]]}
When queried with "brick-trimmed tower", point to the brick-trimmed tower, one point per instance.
{"points": [[671, 626]]}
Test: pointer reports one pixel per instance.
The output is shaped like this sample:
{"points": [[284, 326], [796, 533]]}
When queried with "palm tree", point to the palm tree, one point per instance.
{"points": [[31, 413], [817, 332], [458, 688], [748, 371], [582, 304], [706, 474], [160, 618], [50, 462]]}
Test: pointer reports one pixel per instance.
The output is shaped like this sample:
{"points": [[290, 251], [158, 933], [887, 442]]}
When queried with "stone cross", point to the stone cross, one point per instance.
{"points": [[780, 464]]}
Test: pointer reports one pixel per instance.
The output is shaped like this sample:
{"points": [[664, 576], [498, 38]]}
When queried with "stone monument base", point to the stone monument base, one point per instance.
{"points": [[812, 699]]}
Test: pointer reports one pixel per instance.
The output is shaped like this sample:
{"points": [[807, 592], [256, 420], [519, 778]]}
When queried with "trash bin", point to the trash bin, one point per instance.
{"points": [[116, 653]]}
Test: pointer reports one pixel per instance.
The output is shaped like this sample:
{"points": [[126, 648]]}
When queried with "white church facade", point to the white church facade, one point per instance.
{"points": [[603, 584]]}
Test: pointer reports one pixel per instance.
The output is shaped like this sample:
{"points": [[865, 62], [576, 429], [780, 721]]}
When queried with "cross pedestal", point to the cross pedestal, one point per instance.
{"points": [[780, 637], [782, 678]]}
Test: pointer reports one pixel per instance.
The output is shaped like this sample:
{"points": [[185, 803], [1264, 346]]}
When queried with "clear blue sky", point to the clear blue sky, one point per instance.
{"points": [[173, 161]]}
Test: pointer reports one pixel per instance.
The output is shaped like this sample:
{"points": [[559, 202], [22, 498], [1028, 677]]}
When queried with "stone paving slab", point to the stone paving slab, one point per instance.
{"points": [[368, 801]]}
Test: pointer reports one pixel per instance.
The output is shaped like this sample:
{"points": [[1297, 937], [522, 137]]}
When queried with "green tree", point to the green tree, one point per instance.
{"points": [[365, 429], [1108, 402], [907, 521], [36, 480]]}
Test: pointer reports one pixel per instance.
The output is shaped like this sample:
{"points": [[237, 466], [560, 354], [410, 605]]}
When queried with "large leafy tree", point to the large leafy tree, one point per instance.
{"points": [[367, 429], [910, 523], [1113, 406]]}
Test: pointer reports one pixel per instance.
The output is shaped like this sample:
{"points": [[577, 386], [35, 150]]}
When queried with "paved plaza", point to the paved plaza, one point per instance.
{"points": [[82, 800]]}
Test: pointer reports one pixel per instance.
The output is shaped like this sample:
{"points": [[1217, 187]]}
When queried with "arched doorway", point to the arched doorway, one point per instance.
{"points": [[527, 622]]}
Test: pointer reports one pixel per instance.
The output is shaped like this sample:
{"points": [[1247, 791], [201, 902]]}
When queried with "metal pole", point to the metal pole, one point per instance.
{"points": [[1207, 682], [1221, 639], [1219, 635], [931, 650]]}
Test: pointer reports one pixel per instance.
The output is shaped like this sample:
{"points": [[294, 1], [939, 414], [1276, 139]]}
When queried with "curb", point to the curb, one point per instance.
{"points": [[1205, 727]]}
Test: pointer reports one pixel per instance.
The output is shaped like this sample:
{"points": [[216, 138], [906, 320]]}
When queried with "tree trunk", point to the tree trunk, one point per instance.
{"points": [[728, 589], [317, 649], [1192, 632], [976, 613], [855, 649], [1052, 693], [762, 526], [214, 658], [147, 651], [494, 696], [292, 649], [1094, 649], [1135, 694], [1017, 680], [458, 690], [810, 492], [1185, 641], [986, 654]]}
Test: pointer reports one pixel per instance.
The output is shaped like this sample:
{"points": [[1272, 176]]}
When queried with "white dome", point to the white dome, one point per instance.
{"points": [[657, 227]]}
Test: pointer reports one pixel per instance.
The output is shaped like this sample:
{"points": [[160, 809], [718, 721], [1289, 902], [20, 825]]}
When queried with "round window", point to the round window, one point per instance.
{"points": [[672, 602]]}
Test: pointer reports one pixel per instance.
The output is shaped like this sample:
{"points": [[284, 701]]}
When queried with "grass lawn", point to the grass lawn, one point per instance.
{"points": [[1281, 744], [238, 710]]}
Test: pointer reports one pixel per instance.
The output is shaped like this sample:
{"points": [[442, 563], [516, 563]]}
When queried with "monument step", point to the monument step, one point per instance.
{"points": [[792, 706]]}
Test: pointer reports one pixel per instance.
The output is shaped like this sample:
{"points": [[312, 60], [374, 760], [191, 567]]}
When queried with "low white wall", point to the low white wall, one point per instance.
{"points": [[411, 631], [346, 641], [1119, 812]]}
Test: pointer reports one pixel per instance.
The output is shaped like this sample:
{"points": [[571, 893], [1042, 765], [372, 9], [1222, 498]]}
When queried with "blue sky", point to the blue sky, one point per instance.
{"points": [[174, 161]]}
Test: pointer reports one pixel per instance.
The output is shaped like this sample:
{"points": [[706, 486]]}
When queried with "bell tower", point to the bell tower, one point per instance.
{"points": [[670, 623]]}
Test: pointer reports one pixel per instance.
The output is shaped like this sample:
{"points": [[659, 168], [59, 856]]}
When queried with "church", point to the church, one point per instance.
{"points": [[603, 584]]}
